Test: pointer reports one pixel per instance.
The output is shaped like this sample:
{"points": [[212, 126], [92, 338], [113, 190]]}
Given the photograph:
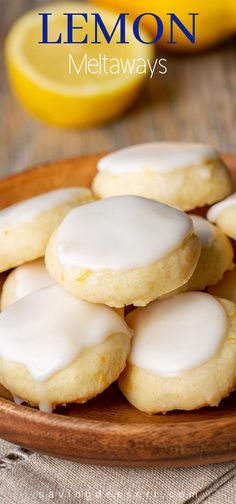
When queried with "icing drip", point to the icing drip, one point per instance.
{"points": [[17, 399], [45, 407]]}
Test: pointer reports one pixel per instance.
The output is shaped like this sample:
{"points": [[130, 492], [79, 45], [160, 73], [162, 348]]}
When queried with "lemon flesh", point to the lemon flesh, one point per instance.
{"points": [[40, 76]]}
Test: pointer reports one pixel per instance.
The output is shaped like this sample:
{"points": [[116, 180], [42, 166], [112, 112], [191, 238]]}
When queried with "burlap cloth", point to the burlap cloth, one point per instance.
{"points": [[29, 478]]}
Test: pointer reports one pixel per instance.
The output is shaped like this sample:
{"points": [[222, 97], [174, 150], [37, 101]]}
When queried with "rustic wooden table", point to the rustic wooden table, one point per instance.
{"points": [[195, 101]]}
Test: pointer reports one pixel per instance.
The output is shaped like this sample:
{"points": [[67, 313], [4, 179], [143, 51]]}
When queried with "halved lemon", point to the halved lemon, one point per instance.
{"points": [[74, 84]]}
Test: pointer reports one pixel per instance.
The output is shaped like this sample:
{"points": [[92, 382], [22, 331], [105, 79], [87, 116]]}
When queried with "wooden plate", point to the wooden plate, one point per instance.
{"points": [[108, 430]]}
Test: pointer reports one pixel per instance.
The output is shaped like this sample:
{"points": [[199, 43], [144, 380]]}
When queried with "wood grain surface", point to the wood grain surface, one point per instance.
{"points": [[194, 101], [108, 430]]}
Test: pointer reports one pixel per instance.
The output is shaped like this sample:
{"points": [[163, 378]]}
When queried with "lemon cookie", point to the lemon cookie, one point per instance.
{"points": [[224, 215], [123, 250], [25, 227], [215, 259], [184, 175], [23, 280], [56, 349], [226, 288], [28, 278], [183, 353]]}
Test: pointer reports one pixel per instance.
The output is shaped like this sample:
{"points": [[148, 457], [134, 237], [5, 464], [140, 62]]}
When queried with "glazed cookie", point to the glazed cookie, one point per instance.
{"points": [[226, 288], [183, 353], [25, 227], [215, 259], [26, 279], [224, 215], [54, 351], [23, 280], [123, 250], [166, 172]]}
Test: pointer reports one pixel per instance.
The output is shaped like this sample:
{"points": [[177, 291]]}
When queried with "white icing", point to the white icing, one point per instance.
{"points": [[30, 208], [45, 407], [47, 330], [17, 399], [44, 404], [214, 212], [157, 157], [177, 334], [203, 229], [30, 277], [120, 233]]}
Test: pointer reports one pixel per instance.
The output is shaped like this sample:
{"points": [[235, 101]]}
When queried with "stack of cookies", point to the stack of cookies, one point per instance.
{"points": [[83, 259]]}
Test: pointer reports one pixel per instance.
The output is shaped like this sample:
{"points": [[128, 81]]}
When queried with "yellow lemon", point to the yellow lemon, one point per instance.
{"points": [[216, 20], [75, 84]]}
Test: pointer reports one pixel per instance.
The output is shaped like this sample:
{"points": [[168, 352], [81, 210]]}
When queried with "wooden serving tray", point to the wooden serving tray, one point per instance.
{"points": [[107, 430]]}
